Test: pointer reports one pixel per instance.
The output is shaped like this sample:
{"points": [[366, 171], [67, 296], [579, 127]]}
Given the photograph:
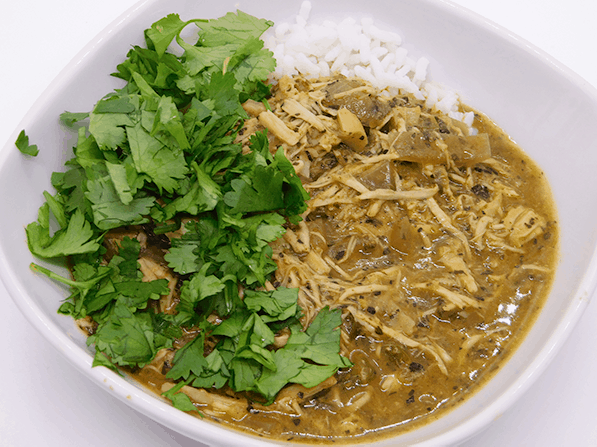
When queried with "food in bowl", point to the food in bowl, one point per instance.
{"points": [[427, 241]]}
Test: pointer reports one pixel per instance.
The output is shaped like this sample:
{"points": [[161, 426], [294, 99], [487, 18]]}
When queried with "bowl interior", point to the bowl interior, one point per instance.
{"points": [[546, 109]]}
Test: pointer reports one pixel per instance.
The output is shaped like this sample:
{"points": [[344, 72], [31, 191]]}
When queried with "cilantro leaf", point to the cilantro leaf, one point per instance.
{"points": [[87, 151], [223, 96], [183, 259], [71, 188], [76, 238], [108, 209], [215, 374], [188, 253], [108, 128], [127, 258], [260, 192], [164, 31], [128, 338], [311, 375], [182, 402], [138, 293], [251, 63], [23, 145], [267, 183], [288, 366], [295, 196], [115, 104], [278, 304], [202, 285], [179, 399], [199, 58], [70, 118], [87, 278], [203, 194], [231, 29], [320, 342], [169, 118], [162, 164], [119, 176], [205, 371], [100, 359]]}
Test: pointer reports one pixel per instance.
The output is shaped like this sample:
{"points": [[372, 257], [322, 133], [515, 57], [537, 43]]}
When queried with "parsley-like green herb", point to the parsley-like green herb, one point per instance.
{"points": [[160, 149], [23, 145]]}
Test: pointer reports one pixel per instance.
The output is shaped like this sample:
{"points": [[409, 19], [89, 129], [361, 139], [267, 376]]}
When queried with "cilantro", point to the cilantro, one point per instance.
{"points": [[319, 343], [189, 359], [232, 29], [108, 128], [265, 182], [70, 118], [23, 145], [77, 237], [243, 359], [108, 209], [99, 359], [162, 164], [155, 152], [278, 305], [182, 258], [119, 176], [164, 31], [128, 338], [200, 287], [179, 399], [86, 279]]}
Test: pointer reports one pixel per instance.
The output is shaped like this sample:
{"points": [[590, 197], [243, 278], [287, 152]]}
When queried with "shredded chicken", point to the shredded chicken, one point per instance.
{"points": [[414, 229], [153, 270], [368, 209]]}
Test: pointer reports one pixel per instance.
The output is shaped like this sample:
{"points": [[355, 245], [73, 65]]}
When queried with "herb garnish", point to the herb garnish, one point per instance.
{"points": [[163, 148], [23, 145]]}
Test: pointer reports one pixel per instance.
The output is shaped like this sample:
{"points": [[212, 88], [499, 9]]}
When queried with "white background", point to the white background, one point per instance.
{"points": [[45, 401]]}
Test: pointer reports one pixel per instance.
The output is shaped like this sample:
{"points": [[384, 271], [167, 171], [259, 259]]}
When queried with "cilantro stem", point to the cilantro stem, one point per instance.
{"points": [[167, 228], [81, 285]]}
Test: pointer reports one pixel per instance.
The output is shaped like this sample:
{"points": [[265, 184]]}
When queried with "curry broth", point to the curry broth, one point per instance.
{"points": [[417, 350]]}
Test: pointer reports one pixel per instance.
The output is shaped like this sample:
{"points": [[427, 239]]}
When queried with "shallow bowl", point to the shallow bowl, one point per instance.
{"points": [[547, 110]]}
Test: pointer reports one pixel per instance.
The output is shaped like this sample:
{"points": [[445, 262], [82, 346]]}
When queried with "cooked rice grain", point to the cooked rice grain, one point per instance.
{"points": [[357, 48]]}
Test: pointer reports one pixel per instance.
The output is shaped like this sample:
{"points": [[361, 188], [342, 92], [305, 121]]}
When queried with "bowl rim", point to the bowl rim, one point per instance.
{"points": [[180, 421]]}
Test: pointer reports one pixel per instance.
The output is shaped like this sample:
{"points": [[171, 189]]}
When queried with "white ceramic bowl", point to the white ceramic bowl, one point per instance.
{"points": [[548, 110]]}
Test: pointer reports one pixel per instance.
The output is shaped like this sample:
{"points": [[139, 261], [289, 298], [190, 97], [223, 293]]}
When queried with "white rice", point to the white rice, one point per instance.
{"points": [[360, 49]]}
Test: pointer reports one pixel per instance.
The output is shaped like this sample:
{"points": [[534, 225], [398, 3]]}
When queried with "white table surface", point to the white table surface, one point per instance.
{"points": [[46, 402]]}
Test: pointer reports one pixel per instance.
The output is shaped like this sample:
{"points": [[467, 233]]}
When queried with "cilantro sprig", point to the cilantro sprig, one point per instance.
{"points": [[22, 144], [162, 150]]}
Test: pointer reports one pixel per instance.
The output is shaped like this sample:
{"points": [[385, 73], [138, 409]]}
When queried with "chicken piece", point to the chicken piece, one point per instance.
{"points": [[253, 108], [352, 131], [297, 110], [524, 224], [455, 264], [216, 404], [152, 270], [276, 126], [316, 262]]}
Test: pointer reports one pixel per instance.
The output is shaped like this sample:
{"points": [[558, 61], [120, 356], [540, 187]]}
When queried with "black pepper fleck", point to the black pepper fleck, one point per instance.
{"points": [[416, 367]]}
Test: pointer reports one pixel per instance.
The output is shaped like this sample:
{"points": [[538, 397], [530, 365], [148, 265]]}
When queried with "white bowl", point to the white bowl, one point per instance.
{"points": [[545, 108]]}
